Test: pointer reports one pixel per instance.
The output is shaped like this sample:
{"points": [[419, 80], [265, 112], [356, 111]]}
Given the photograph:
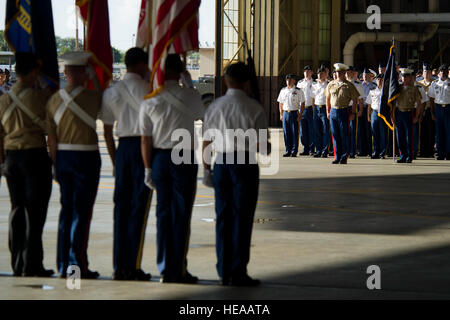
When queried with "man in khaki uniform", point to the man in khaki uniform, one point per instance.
{"points": [[339, 94], [26, 166], [427, 130], [73, 142], [404, 115]]}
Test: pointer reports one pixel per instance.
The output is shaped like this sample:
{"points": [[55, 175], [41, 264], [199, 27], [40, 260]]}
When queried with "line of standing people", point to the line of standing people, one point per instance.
{"points": [[142, 163], [303, 110]]}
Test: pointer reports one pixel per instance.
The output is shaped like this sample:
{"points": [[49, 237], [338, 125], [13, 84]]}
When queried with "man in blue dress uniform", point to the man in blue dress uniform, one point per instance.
{"points": [[439, 93], [307, 113], [364, 132], [169, 113], [321, 122], [236, 172], [291, 100], [121, 106]]}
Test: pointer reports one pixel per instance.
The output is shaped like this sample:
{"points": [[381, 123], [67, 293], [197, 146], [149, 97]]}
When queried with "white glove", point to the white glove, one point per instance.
{"points": [[2, 169], [54, 174], [186, 79], [91, 72], [148, 179], [208, 178]]}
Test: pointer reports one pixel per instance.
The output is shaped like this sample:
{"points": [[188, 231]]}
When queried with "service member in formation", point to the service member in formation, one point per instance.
{"points": [[364, 132], [291, 100], [406, 115], [73, 142], [427, 130], [26, 166], [378, 125], [339, 93], [175, 180], [381, 68], [321, 122], [235, 182], [307, 113], [417, 126], [121, 105], [352, 76], [439, 93]]}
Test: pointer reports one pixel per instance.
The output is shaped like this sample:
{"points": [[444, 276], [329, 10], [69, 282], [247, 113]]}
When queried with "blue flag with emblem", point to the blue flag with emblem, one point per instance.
{"points": [[390, 91], [29, 28]]}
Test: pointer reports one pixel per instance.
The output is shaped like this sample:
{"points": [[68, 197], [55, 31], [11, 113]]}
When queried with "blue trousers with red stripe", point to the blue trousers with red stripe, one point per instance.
{"points": [[341, 133], [78, 174], [404, 129], [131, 205], [175, 189]]}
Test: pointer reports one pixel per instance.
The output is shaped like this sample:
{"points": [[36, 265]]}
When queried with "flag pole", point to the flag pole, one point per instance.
{"points": [[76, 28], [149, 8], [393, 136], [393, 114]]}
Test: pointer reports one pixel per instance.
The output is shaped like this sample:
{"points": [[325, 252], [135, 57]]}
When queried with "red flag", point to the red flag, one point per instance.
{"points": [[97, 40], [143, 38], [174, 31]]}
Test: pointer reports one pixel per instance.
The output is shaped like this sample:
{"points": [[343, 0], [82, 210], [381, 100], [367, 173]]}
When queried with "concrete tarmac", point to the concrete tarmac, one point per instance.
{"points": [[318, 227]]}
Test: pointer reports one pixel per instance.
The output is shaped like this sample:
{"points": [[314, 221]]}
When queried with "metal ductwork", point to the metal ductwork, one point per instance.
{"points": [[361, 37]]}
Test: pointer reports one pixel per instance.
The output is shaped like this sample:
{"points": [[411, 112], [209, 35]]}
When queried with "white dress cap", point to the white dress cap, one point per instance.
{"points": [[340, 67], [406, 71], [77, 58]]}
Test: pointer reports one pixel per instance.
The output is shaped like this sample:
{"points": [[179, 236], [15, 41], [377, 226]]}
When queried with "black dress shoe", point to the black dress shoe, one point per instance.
{"points": [[409, 160], [374, 156], [324, 155], [121, 275], [317, 155], [335, 162], [344, 161], [41, 273], [304, 153], [293, 155], [243, 281], [286, 155], [140, 275], [352, 156], [187, 279], [401, 160], [90, 275], [440, 158]]}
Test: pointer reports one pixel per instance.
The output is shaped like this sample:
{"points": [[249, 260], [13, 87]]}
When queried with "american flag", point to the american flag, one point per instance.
{"points": [[143, 38], [175, 30]]}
